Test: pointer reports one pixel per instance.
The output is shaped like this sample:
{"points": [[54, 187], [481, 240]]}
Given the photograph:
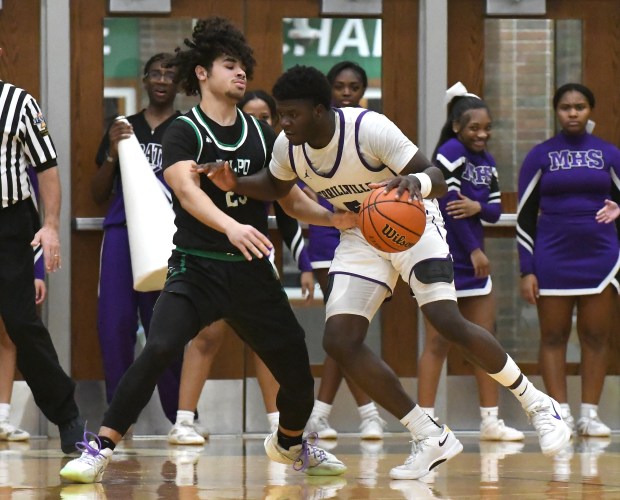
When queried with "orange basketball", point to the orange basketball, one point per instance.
{"points": [[390, 224]]}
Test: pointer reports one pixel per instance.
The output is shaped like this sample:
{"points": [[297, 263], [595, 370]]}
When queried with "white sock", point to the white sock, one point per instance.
{"points": [[564, 410], [588, 410], [5, 410], [273, 418], [524, 391], [185, 417], [489, 413], [429, 411], [418, 422], [321, 409], [368, 410]]}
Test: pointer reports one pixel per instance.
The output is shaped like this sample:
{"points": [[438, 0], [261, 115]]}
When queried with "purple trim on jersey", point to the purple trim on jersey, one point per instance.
{"points": [[358, 121], [338, 155], [364, 278]]}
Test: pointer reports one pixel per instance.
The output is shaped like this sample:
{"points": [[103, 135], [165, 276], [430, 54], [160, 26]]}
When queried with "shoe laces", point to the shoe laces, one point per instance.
{"points": [[89, 453], [308, 450], [540, 416], [417, 446]]}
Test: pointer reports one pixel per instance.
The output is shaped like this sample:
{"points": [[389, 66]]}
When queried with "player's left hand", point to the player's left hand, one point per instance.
{"points": [[345, 220], [401, 183], [463, 207], [47, 237], [608, 213]]}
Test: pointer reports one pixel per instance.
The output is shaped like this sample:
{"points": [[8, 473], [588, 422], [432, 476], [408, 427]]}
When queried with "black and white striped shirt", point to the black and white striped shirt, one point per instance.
{"points": [[24, 140]]}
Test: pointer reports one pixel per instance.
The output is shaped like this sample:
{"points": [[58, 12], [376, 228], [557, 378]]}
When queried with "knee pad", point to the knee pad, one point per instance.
{"points": [[432, 271]]}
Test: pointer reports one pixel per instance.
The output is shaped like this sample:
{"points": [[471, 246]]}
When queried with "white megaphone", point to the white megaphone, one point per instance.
{"points": [[150, 218]]}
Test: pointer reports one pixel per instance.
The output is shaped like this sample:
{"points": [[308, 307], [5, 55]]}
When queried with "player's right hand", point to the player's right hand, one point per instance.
{"points": [[249, 240], [401, 183], [219, 173]]}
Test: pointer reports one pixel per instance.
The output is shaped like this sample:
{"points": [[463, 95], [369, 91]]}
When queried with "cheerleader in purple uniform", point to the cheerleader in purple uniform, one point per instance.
{"points": [[473, 196], [348, 81], [569, 253]]}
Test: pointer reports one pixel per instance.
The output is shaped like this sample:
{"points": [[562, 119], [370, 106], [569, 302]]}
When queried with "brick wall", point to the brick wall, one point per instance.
{"points": [[524, 61]]}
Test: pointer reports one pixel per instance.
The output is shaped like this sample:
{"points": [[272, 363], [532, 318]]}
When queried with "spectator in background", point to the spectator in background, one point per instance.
{"points": [[120, 307], [473, 196], [568, 250]]}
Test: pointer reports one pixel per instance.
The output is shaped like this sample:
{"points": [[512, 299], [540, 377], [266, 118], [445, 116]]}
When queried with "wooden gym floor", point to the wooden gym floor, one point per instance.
{"points": [[235, 467]]}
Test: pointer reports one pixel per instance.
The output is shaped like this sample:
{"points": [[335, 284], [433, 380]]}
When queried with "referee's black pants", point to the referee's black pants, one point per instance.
{"points": [[37, 360]]}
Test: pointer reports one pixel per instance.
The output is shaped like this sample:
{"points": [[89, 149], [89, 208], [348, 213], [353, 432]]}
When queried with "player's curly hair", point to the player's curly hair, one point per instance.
{"points": [[303, 82], [211, 38]]}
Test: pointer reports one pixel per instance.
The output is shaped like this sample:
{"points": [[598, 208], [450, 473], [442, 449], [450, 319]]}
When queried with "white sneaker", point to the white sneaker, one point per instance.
{"points": [[88, 467], [568, 419], [185, 433], [201, 429], [496, 430], [305, 457], [372, 428], [427, 452], [8, 432], [321, 427], [553, 433], [592, 427]]}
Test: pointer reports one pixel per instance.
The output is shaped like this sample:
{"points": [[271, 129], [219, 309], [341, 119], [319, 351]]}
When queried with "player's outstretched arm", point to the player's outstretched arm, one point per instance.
{"points": [[259, 186], [298, 205]]}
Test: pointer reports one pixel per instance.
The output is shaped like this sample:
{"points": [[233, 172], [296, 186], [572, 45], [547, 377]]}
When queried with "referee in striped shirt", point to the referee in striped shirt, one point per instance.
{"points": [[24, 139]]}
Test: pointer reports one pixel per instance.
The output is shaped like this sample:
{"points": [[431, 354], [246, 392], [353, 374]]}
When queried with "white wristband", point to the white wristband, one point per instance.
{"points": [[425, 183]]}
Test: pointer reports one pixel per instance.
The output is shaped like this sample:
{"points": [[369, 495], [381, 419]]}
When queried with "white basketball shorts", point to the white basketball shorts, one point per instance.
{"points": [[364, 276]]}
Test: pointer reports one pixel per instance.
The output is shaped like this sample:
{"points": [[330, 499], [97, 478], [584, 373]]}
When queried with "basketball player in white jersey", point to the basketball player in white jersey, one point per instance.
{"points": [[342, 154]]}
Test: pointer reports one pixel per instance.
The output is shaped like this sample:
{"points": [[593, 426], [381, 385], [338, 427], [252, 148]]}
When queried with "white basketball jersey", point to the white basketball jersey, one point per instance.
{"points": [[366, 147]]}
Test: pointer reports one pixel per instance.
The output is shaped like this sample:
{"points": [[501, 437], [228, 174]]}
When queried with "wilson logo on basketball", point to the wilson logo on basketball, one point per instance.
{"points": [[391, 233]]}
